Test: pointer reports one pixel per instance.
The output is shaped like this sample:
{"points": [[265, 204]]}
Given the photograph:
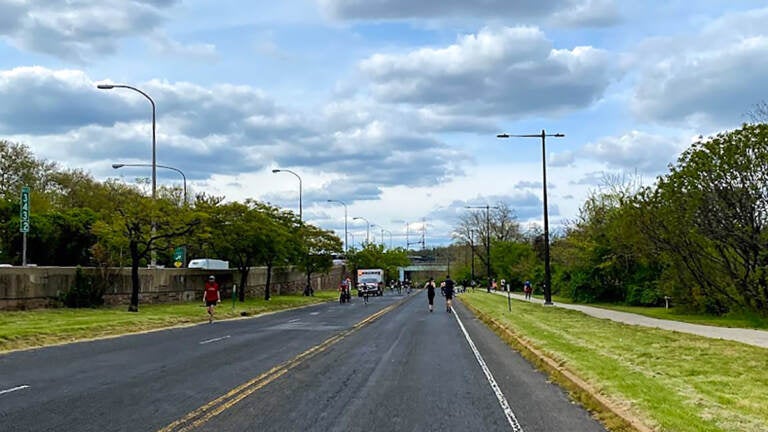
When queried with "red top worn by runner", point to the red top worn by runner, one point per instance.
{"points": [[211, 291]]}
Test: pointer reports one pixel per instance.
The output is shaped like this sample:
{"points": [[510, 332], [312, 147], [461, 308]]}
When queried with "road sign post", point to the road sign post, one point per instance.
{"points": [[24, 222]]}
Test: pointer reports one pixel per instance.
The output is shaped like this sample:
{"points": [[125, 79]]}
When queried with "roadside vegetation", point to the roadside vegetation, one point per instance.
{"points": [[698, 235], [671, 381], [28, 329]]}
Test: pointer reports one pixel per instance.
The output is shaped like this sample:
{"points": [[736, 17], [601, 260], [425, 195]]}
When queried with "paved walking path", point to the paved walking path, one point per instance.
{"points": [[747, 336]]}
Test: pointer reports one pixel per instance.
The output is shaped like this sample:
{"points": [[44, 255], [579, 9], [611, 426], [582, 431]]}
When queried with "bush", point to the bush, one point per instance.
{"points": [[84, 293]]}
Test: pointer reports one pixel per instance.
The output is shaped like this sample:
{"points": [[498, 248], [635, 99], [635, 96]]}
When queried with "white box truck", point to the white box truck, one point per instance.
{"points": [[370, 282], [208, 264]]}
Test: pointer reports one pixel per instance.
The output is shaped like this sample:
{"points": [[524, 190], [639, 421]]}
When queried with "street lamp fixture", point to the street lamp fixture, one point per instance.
{"points": [[368, 231], [547, 270], [184, 178], [300, 187], [154, 144], [346, 237]]}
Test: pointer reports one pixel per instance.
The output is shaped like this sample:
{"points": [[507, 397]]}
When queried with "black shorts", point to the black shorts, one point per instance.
{"points": [[211, 302], [449, 295]]}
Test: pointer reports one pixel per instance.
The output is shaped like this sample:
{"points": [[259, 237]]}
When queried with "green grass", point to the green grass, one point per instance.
{"points": [[674, 381], [27, 329], [733, 320]]}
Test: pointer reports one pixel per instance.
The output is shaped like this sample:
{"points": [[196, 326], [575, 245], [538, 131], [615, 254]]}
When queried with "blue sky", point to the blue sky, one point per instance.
{"points": [[391, 106]]}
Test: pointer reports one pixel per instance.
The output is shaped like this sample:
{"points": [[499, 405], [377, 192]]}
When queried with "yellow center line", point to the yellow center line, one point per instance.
{"points": [[201, 415]]}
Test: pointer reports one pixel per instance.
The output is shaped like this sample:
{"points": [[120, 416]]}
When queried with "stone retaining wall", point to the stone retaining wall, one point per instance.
{"points": [[39, 287]]}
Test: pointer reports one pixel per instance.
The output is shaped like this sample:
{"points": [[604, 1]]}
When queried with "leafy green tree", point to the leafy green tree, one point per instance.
{"points": [[708, 217], [130, 226], [276, 238], [19, 167], [317, 249], [374, 256]]}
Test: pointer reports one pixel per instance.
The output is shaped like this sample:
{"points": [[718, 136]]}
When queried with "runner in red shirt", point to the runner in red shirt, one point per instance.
{"points": [[211, 296]]}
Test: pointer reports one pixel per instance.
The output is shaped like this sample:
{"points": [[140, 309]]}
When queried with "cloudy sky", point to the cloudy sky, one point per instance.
{"points": [[391, 106]]}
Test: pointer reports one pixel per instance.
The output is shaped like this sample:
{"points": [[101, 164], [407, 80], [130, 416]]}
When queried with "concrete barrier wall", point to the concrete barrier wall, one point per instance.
{"points": [[38, 287]]}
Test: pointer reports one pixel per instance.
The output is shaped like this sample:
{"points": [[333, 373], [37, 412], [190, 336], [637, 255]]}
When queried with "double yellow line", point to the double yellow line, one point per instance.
{"points": [[215, 407]]}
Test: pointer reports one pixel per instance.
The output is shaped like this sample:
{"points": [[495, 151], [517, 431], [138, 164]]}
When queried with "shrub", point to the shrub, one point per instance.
{"points": [[83, 293]]}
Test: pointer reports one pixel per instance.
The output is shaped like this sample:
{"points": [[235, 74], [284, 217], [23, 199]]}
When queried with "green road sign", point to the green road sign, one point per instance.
{"points": [[178, 256], [24, 210]]}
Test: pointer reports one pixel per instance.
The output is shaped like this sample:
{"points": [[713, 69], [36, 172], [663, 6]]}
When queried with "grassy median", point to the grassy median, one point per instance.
{"points": [[672, 381], [27, 329]]}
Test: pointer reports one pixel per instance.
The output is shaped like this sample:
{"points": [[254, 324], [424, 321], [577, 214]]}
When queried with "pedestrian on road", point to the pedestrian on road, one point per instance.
{"points": [[430, 286], [212, 296], [448, 293], [527, 290]]}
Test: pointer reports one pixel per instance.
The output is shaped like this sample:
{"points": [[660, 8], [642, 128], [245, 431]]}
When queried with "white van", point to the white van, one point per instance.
{"points": [[208, 264]]}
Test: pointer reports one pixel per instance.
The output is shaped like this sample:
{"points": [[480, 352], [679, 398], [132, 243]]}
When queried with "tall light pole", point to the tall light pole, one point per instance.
{"points": [[154, 147], [346, 238], [368, 231], [487, 237], [547, 271], [382, 234], [298, 177], [390, 236], [184, 178]]}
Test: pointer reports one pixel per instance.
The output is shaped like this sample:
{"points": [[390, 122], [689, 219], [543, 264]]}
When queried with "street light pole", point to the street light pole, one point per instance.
{"points": [[346, 238], [184, 178], [300, 187], [547, 270], [154, 146], [368, 229]]}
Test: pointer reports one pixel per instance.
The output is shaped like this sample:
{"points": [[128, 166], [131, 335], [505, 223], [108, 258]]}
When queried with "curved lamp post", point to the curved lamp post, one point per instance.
{"points": [[547, 272], [120, 165], [368, 231], [346, 237], [298, 177], [154, 144]]}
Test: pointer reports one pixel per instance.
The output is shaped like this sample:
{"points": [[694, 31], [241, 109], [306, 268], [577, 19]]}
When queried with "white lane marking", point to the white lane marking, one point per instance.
{"points": [[295, 320], [214, 340], [21, 387], [494, 386], [314, 313]]}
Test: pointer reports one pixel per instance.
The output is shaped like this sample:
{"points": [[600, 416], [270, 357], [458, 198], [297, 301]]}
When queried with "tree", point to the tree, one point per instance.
{"points": [[317, 249], [130, 226], [18, 167], [375, 256], [477, 228], [708, 217], [275, 238]]}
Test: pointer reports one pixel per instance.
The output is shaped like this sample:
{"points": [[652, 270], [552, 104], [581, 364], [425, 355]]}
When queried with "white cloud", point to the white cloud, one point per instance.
{"points": [[222, 129], [705, 79], [505, 71], [636, 150], [77, 30], [165, 46]]}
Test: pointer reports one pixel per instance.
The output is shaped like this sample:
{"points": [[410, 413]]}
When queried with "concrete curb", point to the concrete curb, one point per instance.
{"points": [[589, 396]]}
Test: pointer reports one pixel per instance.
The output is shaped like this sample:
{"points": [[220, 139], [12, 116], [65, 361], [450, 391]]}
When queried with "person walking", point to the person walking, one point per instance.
{"points": [[528, 290], [212, 296], [448, 289], [430, 286]]}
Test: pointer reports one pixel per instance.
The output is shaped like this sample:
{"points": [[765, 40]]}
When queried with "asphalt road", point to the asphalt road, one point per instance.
{"points": [[328, 367]]}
